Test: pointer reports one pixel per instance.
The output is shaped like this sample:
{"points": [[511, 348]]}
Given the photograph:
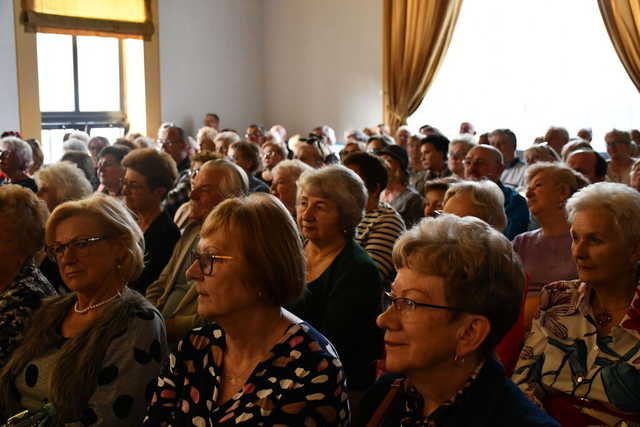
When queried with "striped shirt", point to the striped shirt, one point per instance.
{"points": [[377, 233]]}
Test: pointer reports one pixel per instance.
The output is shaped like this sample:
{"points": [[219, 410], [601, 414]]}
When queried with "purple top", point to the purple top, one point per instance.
{"points": [[545, 259]]}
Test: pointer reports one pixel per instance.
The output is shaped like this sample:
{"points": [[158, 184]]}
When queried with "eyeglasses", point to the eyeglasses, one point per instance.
{"points": [[80, 246], [4, 153], [206, 261], [469, 162], [131, 186], [406, 305]]}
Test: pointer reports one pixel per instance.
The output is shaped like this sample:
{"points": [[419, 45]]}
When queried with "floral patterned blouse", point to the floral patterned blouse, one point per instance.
{"points": [[564, 352], [301, 382]]}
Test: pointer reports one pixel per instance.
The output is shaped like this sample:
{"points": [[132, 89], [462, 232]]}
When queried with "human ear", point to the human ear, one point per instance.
{"points": [[471, 334]]}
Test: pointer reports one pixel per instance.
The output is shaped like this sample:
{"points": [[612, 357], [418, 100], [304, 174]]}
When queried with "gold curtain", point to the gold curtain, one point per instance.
{"points": [[416, 37], [622, 19], [113, 18]]}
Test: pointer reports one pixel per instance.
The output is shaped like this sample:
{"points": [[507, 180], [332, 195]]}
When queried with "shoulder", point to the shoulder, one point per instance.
{"points": [[353, 256], [201, 339], [562, 293], [374, 395], [306, 343], [518, 409]]}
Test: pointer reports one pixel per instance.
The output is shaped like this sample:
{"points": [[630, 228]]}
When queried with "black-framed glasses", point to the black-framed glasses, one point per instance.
{"points": [[206, 261], [80, 246], [406, 305]]}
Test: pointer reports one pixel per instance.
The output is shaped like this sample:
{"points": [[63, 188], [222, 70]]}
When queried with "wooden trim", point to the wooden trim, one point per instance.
{"points": [[27, 73], [152, 76]]}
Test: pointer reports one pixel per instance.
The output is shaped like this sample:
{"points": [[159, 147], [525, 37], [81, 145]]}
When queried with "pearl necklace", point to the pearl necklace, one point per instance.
{"points": [[94, 306]]}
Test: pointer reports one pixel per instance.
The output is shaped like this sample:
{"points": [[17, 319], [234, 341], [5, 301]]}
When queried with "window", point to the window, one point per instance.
{"points": [[529, 64]]}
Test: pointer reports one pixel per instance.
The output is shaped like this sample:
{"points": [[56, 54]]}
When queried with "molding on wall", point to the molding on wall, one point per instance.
{"points": [[152, 75]]}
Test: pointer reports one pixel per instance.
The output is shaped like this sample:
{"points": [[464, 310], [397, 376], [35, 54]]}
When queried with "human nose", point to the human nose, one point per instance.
{"points": [[578, 249], [388, 319], [194, 272]]}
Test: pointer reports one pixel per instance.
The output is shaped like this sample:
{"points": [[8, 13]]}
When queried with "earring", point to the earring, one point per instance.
{"points": [[458, 359], [259, 294]]}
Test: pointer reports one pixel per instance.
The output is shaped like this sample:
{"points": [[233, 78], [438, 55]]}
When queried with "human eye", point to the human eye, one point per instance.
{"points": [[79, 244]]}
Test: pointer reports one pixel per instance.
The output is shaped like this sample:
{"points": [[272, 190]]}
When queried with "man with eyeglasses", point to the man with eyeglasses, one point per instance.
{"points": [[177, 147], [486, 162], [173, 293]]}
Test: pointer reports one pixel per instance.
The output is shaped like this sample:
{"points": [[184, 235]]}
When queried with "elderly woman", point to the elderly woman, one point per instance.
{"points": [[457, 293], [272, 154], [223, 140], [89, 355], [402, 136], [381, 225], [620, 151], [111, 171], [148, 177], [284, 187], [247, 156], [634, 175], [96, 144], [15, 159], [546, 252], [256, 363], [312, 151], [458, 149], [540, 153], [343, 283], [398, 193], [205, 138], [581, 358], [84, 162], [22, 285], [37, 156], [60, 183]]}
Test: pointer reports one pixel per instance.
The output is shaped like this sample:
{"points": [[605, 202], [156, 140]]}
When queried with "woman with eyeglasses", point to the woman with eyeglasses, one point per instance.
{"points": [[255, 363], [110, 170], [445, 314], [148, 177], [272, 154], [88, 356]]}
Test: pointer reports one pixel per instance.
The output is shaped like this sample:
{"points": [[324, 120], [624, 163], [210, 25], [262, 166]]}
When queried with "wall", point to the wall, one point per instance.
{"points": [[9, 116], [323, 64], [211, 61]]}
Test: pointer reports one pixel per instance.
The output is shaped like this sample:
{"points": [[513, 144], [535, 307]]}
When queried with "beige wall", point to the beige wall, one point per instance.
{"points": [[9, 117]]}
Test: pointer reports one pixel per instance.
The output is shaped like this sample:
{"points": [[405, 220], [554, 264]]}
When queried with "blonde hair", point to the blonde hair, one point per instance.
{"points": [[117, 220], [561, 173], [66, 179], [267, 237], [487, 199], [25, 216]]}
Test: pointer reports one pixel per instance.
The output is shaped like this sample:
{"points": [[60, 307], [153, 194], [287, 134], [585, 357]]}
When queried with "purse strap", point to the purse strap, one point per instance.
{"points": [[380, 412]]}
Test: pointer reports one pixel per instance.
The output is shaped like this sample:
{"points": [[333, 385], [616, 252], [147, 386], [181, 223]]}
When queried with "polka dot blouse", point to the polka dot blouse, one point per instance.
{"points": [[301, 382]]}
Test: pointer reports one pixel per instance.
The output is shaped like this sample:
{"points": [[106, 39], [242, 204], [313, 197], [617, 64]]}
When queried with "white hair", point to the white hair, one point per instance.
{"points": [[21, 150], [487, 199], [74, 144]]}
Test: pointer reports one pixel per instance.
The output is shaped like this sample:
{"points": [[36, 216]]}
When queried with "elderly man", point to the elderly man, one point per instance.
{"points": [[173, 293], [514, 168], [283, 186], [485, 162], [211, 120], [589, 163], [557, 137], [15, 159], [177, 147]]}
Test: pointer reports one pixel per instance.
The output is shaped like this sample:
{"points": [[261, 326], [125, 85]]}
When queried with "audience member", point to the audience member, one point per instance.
{"points": [[457, 293], [343, 284], [205, 139], [281, 131], [556, 137], [634, 175], [272, 154], [434, 192], [15, 159], [175, 144], [37, 156], [579, 359], [540, 153], [433, 155], [247, 156], [467, 128], [327, 134], [88, 356], [173, 293], [480, 199], [514, 169], [84, 162], [22, 285], [572, 146], [546, 252], [485, 162], [255, 134], [619, 149], [211, 120], [148, 177], [402, 136], [458, 149], [381, 225], [62, 182], [111, 171], [377, 143], [224, 140], [356, 136], [585, 134], [311, 151], [352, 147], [77, 134], [413, 152], [73, 144], [253, 343], [284, 185], [427, 130], [589, 163], [384, 129], [398, 193]]}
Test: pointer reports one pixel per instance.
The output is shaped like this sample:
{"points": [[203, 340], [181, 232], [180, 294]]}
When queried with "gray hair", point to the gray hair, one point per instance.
{"points": [[207, 131], [21, 150], [497, 153], [572, 146], [234, 182], [561, 173], [67, 179], [294, 168], [486, 198], [482, 273], [342, 186], [620, 200], [74, 144], [465, 141], [544, 152], [78, 134]]}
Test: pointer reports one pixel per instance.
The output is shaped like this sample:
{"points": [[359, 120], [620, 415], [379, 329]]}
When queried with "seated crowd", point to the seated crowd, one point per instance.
{"points": [[268, 279]]}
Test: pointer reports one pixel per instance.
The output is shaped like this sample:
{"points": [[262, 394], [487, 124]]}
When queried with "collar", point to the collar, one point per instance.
{"points": [[514, 162]]}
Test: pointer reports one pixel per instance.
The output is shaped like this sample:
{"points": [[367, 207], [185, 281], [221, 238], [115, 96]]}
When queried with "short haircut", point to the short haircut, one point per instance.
{"points": [[25, 216], [158, 168], [601, 163], [620, 136], [77, 134], [37, 155], [482, 273], [66, 179], [21, 150], [342, 186], [439, 142], [205, 156], [73, 144], [620, 200], [440, 184], [293, 167], [118, 222], [268, 240], [508, 134], [497, 153], [544, 152], [467, 143], [234, 182], [101, 140], [487, 199], [224, 139], [179, 131], [385, 140], [561, 174], [358, 135], [214, 115], [572, 146], [117, 151], [373, 170], [279, 148], [207, 132], [251, 152], [83, 162]]}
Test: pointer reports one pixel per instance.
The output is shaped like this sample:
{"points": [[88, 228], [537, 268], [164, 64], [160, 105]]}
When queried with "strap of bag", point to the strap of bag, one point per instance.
{"points": [[378, 415]]}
